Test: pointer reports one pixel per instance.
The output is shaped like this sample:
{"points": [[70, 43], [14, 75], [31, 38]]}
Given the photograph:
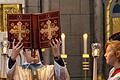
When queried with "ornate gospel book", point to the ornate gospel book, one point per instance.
{"points": [[34, 30]]}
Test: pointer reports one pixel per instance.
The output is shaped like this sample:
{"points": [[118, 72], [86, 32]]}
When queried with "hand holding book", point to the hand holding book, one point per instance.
{"points": [[16, 49], [55, 44]]}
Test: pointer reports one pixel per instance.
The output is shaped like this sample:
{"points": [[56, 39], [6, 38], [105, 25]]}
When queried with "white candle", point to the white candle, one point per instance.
{"points": [[85, 42], [23, 10], [4, 50], [5, 47], [63, 43]]}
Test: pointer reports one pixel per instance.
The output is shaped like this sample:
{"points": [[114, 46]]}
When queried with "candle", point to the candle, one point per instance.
{"points": [[4, 50], [63, 43], [85, 42], [5, 47]]}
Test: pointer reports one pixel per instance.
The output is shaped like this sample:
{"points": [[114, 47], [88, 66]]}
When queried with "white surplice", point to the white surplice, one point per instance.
{"points": [[115, 77], [46, 72]]}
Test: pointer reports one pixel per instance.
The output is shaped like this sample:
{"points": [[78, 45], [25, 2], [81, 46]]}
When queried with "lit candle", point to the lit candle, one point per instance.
{"points": [[4, 47], [23, 10], [63, 43], [4, 50], [85, 42]]}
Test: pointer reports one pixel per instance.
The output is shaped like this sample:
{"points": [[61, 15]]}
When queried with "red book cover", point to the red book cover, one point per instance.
{"points": [[19, 27], [49, 27], [35, 30]]}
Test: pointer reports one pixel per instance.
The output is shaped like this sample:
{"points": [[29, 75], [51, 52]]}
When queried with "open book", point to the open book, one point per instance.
{"points": [[35, 30]]}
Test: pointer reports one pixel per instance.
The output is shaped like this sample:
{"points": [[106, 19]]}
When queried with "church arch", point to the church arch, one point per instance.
{"points": [[112, 17]]}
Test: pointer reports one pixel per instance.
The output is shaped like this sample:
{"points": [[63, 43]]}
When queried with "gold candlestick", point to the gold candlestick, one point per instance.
{"points": [[4, 48], [95, 53], [85, 56]]}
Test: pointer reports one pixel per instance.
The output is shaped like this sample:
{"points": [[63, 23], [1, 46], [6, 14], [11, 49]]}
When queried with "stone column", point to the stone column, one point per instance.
{"points": [[98, 19]]}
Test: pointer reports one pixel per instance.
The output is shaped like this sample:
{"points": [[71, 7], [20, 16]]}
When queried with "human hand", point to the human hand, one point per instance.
{"points": [[16, 49], [55, 44]]}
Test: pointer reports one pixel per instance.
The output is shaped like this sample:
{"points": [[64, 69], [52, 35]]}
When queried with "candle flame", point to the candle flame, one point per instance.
{"points": [[85, 36]]}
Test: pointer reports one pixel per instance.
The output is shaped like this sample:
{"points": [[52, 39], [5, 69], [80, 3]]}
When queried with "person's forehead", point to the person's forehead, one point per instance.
{"points": [[27, 49]]}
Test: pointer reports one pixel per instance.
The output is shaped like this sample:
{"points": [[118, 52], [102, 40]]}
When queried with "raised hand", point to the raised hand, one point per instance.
{"points": [[55, 44], [16, 49]]}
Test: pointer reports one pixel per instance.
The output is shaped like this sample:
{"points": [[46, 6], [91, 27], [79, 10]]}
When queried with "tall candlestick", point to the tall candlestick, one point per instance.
{"points": [[5, 43], [63, 43], [95, 53], [85, 36], [4, 48]]}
